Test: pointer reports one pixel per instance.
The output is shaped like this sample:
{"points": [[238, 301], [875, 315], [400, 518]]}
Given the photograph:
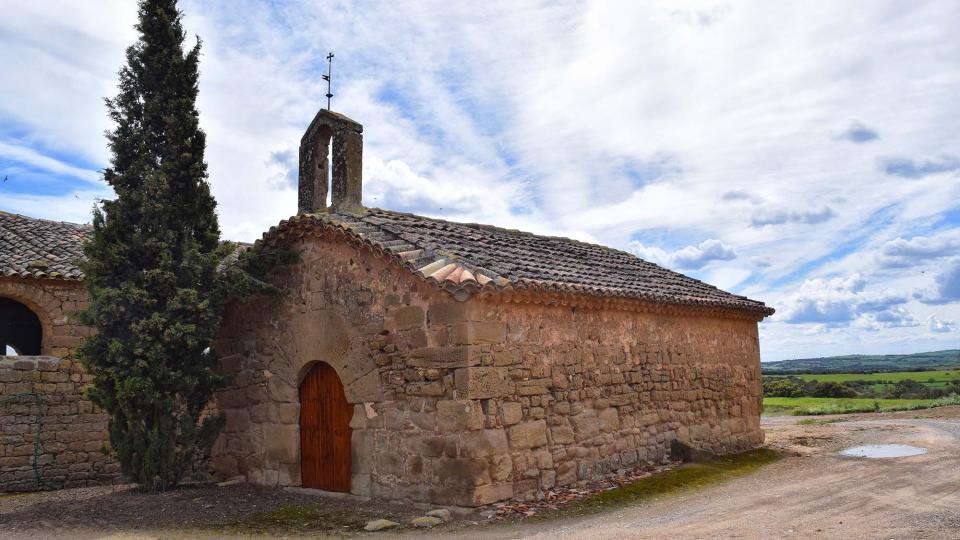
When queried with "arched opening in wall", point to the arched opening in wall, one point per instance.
{"points": [[325, 458], [20, 329]]}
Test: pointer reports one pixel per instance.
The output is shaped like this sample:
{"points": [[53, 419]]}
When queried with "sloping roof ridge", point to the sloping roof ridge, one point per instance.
{"points": [[518, 232], [53, 221], [454, 268]]}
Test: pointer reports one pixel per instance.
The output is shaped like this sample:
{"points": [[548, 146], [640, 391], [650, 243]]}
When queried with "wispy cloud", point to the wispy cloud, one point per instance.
{"points": [[912, 168], [858, 132], [779, 217]]}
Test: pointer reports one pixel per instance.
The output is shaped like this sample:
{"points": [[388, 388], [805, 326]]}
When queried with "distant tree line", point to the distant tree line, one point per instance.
{"points": [[856, 370], [904, 389]]}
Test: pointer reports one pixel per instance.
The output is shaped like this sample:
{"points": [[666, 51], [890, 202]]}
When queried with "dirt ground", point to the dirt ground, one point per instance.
{"points": [[812, 493]]}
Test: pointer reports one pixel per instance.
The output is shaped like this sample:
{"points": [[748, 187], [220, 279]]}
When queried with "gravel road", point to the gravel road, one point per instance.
{"points": [[812, 493]]}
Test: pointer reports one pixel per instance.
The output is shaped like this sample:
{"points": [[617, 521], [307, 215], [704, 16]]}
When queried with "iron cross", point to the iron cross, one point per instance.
{"points": [[327, 77]]}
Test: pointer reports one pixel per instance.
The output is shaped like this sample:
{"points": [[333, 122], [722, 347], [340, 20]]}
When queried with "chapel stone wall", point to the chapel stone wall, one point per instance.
{"points": [[585, 391], [472, 402], [392, 341]]}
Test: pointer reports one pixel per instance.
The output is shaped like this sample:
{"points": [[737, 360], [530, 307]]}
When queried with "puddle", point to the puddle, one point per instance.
{"points": [[884, 451]]}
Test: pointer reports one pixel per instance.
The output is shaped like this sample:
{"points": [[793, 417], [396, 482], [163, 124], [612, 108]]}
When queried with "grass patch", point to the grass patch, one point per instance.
{"points": [[817, 406], [687, 477], [925, 377], [309, 518], [817, 421]]}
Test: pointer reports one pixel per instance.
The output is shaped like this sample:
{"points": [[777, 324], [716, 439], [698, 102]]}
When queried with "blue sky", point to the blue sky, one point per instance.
{"points": [[801, 153]]}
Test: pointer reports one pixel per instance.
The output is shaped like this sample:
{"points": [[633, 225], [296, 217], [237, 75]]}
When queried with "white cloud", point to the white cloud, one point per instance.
{"points": [[940, 326], [841, 302], [689, 257], [902, 253]]}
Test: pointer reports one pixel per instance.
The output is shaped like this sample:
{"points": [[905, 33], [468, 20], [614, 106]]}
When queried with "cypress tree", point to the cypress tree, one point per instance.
{"points": [[151, 268]]}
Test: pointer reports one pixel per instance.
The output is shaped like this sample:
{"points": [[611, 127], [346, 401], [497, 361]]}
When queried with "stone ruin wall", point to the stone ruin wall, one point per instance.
{"points": [[73, 430], [472, 402]]}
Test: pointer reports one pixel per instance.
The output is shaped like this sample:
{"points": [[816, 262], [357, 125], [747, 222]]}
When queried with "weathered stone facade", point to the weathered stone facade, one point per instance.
{"points": [[503, 395], [46, 393]]}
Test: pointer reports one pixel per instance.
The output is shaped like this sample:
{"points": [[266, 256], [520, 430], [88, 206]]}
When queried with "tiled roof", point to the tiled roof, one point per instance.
{"points": [[465, 258], [37, 248]]}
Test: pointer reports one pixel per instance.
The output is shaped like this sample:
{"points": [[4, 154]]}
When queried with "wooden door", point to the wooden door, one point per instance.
{"points": [[324, 431]]}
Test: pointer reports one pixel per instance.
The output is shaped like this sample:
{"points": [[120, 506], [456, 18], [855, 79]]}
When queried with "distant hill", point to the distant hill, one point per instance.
{"points": [[866, 363]]}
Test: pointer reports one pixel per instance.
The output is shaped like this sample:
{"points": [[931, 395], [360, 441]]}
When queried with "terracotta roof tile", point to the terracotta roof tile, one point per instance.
{"points": [[37, 248], [469, 257]]}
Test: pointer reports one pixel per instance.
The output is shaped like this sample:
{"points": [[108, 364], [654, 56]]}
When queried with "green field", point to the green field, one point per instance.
{"points": [[809, 405], [935, 379], [925, 377]]}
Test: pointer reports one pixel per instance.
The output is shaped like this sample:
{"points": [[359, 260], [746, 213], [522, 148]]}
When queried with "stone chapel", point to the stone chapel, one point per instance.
{"points": [[420, 359]]}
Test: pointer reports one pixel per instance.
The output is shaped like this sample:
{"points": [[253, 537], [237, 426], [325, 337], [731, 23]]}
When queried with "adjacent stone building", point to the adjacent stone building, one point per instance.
{"points": [[51, 436], [456, 363]]}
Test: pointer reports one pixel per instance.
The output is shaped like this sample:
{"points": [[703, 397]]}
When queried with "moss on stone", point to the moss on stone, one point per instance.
{"points": [[303, 519], [684, 478]]}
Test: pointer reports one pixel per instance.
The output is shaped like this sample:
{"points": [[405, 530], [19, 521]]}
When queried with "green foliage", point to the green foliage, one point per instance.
{"points": [[896, 385], [156, 299], [817, 406], [246, 271], [832, 389], [796, 387], [782, 387]]}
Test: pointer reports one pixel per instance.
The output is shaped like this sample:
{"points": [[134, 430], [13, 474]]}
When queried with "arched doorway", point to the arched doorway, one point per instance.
{"points": [[20, 329], [324, 431]]}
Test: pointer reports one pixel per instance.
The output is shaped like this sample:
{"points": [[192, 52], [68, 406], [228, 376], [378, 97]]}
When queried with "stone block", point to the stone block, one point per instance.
{"points": [[282, 443], [468, 333], [288, 413], [501, 468], [448, 313], [511, 413], [484, 443], [444, 357], [237, 420], [481, 382], [491, 493], [528, 435], [609, 420], [405, 318], [464, 472], [459, 415], [585, 424], [548, 479], [562, 434], [566, 473], [506, 358]]}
